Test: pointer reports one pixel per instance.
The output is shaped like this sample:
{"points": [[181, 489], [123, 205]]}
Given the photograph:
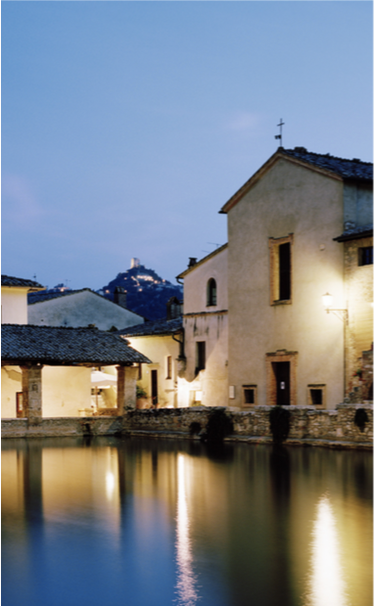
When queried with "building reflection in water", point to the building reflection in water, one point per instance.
{"points": [[326, 582], [186, 582]]}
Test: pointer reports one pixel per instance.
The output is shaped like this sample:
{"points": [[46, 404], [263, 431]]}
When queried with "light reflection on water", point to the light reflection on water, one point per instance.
{"points": [[326, 582], [159, 523], [186, 583]]}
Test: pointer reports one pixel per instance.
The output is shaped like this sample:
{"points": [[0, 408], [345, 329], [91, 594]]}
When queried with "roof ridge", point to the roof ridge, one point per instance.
{"points": [[303, 150]]}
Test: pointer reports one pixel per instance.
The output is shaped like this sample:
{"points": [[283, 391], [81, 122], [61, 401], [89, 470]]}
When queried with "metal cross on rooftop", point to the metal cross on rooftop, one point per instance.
{"points": [[280, 132]]}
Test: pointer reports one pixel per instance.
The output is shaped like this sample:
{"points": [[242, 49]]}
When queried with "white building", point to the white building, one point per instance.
{"points": [[203, 376], [78, 308]]}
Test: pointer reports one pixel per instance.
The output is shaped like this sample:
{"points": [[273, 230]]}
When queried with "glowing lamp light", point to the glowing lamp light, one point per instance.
{"points": [[327, 300], [342, 314]]}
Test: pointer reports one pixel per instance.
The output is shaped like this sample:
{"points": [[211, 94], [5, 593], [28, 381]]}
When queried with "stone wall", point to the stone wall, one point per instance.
{"points": [[72, 426], [306, 424], [359, 329]]}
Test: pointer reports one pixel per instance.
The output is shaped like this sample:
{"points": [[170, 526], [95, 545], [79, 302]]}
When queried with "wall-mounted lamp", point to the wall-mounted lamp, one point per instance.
{"points": [[327, 303]]}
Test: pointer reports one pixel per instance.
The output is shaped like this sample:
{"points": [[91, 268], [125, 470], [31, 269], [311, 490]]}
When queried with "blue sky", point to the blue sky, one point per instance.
{"points": [[127, 125]]}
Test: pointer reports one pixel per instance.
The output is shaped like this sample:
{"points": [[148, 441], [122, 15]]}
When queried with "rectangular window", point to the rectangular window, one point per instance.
{"points": [[317, 395], [249, 395], [200, 356], [168, 367], [281, 270], [284, 277], [365, 255]]}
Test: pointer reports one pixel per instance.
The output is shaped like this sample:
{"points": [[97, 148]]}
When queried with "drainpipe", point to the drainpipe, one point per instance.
{"points": [[181, 344]]}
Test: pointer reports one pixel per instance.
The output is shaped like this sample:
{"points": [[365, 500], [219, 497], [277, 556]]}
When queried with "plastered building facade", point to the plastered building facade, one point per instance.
{"points": [[283, 348], [203, 374], [162, 342], [46, 371]]}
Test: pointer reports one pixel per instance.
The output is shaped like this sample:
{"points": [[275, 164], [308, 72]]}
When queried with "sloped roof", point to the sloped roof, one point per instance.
{"points": [[158, 327], [348, 169], [21, 282], [337, 168], [203, 260], [38, 297], [52, 345], [41, 297], [356, 232]]}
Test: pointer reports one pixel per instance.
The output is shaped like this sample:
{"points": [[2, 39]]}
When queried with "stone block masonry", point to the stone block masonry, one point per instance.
{"points": [[332, 428], [58, 427]]}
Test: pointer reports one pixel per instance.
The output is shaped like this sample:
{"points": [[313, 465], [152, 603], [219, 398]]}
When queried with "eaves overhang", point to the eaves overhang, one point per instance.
{"points": [[203, 260], [354, 235]]}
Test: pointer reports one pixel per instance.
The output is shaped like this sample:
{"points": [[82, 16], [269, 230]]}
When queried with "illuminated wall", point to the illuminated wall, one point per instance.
{"points": [[158, 348], [205, 323], [287, 199], [14, 305], [65, 390]]}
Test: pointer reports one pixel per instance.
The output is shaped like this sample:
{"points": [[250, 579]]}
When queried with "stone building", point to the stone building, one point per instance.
{"points": [[357, 245]]}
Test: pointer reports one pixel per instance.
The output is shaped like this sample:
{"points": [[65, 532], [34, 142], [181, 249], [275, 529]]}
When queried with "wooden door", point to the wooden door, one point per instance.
{"points": [[282, 373]]}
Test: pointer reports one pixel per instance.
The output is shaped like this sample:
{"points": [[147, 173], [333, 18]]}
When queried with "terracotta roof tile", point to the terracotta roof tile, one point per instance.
{"points": [[64, 346], [348, 169], [158, 327], [12, 281]]}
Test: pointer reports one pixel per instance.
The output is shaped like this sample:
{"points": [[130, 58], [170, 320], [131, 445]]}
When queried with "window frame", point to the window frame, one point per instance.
{"points": [[281, 355], [275, 269], [211, 293], [322, 388], [364, 258], [253, 388], [200, 356]]}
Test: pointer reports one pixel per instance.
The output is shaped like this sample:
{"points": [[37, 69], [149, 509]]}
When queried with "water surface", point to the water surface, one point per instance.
{"points": [[156, 523]]}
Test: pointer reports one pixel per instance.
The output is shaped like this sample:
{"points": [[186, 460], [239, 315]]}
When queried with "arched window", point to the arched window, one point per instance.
{"points": [[211, 292]]}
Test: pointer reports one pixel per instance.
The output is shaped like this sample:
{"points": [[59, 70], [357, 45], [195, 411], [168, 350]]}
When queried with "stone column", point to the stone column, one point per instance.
{"points": [[131, 373], [120, 390], [32, 391], [25, 391]]}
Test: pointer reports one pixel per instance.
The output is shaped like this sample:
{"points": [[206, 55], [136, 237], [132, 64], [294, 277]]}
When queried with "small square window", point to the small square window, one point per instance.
{"points": [[249, 395], [317, 395], [365, 255]]}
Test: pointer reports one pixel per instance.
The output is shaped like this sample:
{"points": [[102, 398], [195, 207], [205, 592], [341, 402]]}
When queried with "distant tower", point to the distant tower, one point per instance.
{"points": [[135, 262]]}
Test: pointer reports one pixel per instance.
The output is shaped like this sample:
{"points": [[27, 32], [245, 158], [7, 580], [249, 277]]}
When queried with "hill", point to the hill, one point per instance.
{"points": [[147, 292]]}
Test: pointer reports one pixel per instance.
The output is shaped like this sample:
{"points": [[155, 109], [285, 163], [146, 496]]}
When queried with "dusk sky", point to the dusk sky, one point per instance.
{"points": [[126, 126]]}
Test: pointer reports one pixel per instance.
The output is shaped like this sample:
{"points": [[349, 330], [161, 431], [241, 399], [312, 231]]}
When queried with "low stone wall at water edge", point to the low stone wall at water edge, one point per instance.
{"points": [[306, 425], [53, 427]]}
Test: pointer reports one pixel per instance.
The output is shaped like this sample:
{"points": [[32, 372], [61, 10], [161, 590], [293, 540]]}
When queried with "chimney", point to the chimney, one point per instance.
{"points": [[120, 296], [192, 262], [174, 308]]}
